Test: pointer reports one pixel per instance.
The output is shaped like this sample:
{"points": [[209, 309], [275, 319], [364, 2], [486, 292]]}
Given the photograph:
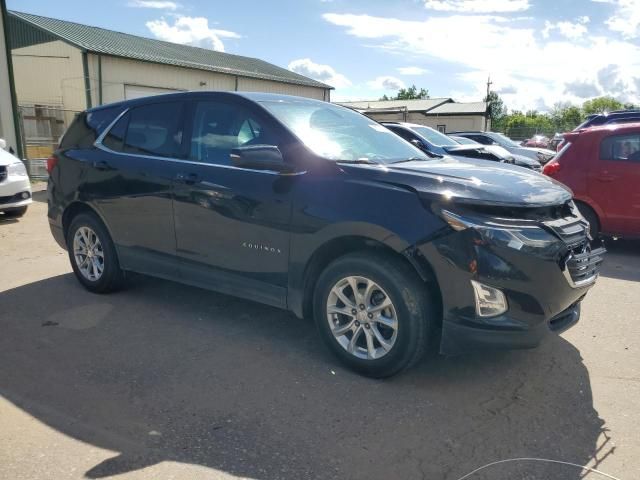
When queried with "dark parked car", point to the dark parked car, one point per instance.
{"points": [[432, 141], [542, 155], [617, 116], [313, 207]]}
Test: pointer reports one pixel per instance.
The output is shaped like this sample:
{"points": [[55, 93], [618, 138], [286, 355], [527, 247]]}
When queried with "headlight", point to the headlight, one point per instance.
{"points": [[17, 169], [517, 237]]}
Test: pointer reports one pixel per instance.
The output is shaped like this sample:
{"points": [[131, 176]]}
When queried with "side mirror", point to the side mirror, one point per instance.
{"points": [[417, 143], [259, 157]]}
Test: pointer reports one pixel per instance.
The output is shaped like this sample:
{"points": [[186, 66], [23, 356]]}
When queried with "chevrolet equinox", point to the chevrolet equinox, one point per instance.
{"points": [[314, 208]]}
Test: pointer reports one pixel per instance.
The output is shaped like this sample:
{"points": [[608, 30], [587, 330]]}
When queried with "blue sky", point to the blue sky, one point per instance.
{"points": [[538, 52]]}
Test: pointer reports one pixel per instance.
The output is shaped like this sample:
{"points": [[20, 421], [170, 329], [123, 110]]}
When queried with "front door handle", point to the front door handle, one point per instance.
{"points": [[101, 165], [188, 178]]}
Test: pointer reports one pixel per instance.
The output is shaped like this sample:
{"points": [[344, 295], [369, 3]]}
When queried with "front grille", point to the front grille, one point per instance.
{"points": [[581, 264], [3, 173]]}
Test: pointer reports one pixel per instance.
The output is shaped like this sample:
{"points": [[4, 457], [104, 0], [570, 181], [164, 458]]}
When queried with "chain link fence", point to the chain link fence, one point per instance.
{"points": [[41, 127]]}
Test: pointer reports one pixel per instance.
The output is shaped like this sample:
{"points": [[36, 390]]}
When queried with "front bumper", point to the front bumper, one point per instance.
{"points": [[12, 192], [540, 292]]}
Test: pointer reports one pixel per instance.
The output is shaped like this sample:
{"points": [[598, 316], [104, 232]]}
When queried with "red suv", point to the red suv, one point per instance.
{"points": [[602, 167]]}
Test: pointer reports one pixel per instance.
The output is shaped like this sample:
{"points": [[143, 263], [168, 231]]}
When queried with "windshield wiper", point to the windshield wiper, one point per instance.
{"points": [[363, 161], [416, 159]]}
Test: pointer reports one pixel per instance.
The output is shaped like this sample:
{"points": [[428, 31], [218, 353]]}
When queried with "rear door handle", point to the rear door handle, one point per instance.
{"points": [[188, 178], [605, 177], [101, 165]]}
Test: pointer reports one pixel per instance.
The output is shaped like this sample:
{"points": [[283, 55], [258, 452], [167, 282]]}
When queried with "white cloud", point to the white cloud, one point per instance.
{"points": [[513, 53], [626, 18], [322, 73], [191, 31], [477, 6], [159, 4], [582, 89], [412, 70], [570, 30], [386, 83]]}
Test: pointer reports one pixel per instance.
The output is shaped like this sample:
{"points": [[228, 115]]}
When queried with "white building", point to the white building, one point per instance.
{"points": [[443, 114]]}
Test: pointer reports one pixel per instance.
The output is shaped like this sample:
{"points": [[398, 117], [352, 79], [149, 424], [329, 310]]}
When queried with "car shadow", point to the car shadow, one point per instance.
{"points": [[164, 372], [622, 260]]}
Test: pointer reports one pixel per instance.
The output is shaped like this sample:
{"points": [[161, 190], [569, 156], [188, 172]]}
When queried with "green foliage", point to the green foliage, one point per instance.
{"points": [[601, 105], [410, 93], [497, 109]]}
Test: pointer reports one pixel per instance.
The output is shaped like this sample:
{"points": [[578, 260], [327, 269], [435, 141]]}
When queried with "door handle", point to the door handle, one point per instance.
{"points": [[101, 165], [188, 178], [605, 177]]}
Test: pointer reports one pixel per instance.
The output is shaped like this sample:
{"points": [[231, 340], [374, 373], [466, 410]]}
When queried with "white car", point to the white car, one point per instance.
{"points": [[15, 187]]}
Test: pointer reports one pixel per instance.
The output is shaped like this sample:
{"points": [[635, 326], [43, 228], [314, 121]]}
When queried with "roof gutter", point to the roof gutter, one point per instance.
{"points": [[87, 80]]}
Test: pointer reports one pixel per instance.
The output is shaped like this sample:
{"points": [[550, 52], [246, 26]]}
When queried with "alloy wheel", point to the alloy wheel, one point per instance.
{"points": [[88, 253], [362, 317]]}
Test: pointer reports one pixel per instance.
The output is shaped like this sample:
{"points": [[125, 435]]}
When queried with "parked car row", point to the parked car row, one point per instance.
{"points": [[315, 208]]}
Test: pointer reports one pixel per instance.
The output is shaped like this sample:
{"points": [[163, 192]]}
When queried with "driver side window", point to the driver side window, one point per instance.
{"points": [[220, 127]]}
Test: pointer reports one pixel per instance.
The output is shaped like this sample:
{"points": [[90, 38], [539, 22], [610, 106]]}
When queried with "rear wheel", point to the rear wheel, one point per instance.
{"points": [[374, 313], [15, 212], [93, 255]]}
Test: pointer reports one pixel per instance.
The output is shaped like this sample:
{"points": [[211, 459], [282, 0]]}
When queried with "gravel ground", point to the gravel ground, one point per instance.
{"points": [[167, 381]]}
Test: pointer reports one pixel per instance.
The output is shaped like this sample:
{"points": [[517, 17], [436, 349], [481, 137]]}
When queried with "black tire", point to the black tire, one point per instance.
{"points": [[412, 301], [15, 212], [592, 217], [112, 277]]}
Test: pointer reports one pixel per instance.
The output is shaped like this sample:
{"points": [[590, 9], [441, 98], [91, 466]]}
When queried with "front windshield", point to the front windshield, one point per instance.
{"points": [[434, 137], [340, 134], [504, 140]]}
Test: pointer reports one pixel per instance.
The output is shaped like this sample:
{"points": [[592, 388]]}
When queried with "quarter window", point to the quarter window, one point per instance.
{"points": [[219, 127], [625, 148], [114, 139], [155, 129]]}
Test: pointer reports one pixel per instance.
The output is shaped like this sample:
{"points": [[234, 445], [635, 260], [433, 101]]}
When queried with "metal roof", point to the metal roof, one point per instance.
{"points": [[109, 42], [410, 105], [460, 108]]}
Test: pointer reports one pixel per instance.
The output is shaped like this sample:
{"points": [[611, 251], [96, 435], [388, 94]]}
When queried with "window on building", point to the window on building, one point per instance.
{"points": [[442, 128], [625, 148], [155, 129]]}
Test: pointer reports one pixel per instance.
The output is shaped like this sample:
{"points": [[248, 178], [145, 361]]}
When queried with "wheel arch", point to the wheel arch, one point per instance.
{"points": [[343, 245], [73, 210]]}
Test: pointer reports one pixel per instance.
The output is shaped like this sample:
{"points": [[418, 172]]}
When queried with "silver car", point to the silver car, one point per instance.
{"points": [[543, 155]]}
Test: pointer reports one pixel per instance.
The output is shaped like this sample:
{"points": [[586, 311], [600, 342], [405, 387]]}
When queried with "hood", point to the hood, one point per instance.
{"points": [[544, 151], [469, 181], [6, 158], [522, 160]]}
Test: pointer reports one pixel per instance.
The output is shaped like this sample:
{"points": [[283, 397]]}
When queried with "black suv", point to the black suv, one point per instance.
{"points": [[314, 208], [617, 116]]}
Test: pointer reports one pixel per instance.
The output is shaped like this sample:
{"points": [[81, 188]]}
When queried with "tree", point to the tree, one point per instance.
{"points": [[565, 116], [410, 93], [497, 110], [601, 105]]}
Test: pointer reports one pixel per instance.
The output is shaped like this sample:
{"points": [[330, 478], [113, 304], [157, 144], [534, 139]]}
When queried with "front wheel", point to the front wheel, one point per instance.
{"points": [[93, 255], [374, 313]]}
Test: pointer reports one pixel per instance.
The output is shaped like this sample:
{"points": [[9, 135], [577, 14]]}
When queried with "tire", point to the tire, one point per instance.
{"points": [[108, 278], [15, 212], [592, 217], [390, 279]]}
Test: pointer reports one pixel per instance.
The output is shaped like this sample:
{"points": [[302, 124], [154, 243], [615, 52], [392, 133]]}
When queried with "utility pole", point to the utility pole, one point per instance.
{"points": [[486, 114]]}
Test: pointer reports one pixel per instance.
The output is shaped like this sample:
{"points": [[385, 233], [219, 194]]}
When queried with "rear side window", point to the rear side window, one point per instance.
{"points": [[154, 129], [624, 148], [408, 136], [114, 139], [220, 127], [87, 127]]}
